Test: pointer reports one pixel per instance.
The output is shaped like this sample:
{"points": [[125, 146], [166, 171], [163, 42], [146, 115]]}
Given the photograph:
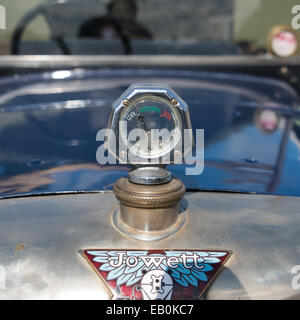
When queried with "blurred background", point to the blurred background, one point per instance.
{"points": [[189, 21]]}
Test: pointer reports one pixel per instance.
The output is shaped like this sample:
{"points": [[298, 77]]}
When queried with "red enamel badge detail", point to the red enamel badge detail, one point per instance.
{"points": [[157, 274]]}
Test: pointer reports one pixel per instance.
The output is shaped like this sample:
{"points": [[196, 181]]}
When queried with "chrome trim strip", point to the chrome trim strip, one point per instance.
{"points": [[60, 61]]}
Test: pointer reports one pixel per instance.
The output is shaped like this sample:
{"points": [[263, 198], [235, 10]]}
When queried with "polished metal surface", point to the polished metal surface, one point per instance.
{"points": [[148, 212], [40, 238], [149, 175], [157, 224], [63, 61]]}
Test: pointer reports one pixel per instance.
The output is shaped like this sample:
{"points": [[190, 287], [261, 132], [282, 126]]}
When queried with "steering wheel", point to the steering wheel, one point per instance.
{"points": [[90, 29], [44, 10]]}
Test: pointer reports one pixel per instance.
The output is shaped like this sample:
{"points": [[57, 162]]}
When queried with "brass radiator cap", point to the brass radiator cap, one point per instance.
{"points": [[149, 196], [149, 212]]}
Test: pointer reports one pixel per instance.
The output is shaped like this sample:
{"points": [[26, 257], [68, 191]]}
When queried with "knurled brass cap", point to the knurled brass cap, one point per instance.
{"points": [[149, 196]]}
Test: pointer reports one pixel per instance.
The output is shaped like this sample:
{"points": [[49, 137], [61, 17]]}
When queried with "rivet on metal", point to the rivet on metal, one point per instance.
{"points": [[126, 102], [174, 102]]}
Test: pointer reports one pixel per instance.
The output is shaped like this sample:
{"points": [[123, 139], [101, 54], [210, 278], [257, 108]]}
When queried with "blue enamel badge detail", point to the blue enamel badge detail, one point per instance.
{"points": [[157, 274]]}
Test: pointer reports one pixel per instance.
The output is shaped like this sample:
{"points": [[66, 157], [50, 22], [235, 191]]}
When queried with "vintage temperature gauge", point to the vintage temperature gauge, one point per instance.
{"points": [[161, 121], [148, 122]]}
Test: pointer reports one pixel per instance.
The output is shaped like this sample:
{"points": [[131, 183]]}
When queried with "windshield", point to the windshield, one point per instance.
{"points": [[49, 124], [105, 27]]}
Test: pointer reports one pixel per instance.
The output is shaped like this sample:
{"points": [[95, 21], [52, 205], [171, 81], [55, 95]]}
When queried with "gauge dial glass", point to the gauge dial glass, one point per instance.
{"points": [[161, 124], [283, 41], [284, 44]]}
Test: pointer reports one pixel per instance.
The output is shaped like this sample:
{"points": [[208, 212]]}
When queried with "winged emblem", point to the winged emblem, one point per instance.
{"points": [[156, 274]]}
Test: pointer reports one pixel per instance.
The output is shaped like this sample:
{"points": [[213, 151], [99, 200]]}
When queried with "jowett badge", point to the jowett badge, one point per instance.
{"points": [[156, 274]]}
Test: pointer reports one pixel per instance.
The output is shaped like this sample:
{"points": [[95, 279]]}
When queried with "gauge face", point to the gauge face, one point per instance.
{"points": [[160, 122], [283, 42]]}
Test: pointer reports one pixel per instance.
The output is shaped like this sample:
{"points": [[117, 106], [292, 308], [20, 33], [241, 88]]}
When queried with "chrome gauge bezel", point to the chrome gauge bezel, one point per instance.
{"points": [[135, 92]]}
